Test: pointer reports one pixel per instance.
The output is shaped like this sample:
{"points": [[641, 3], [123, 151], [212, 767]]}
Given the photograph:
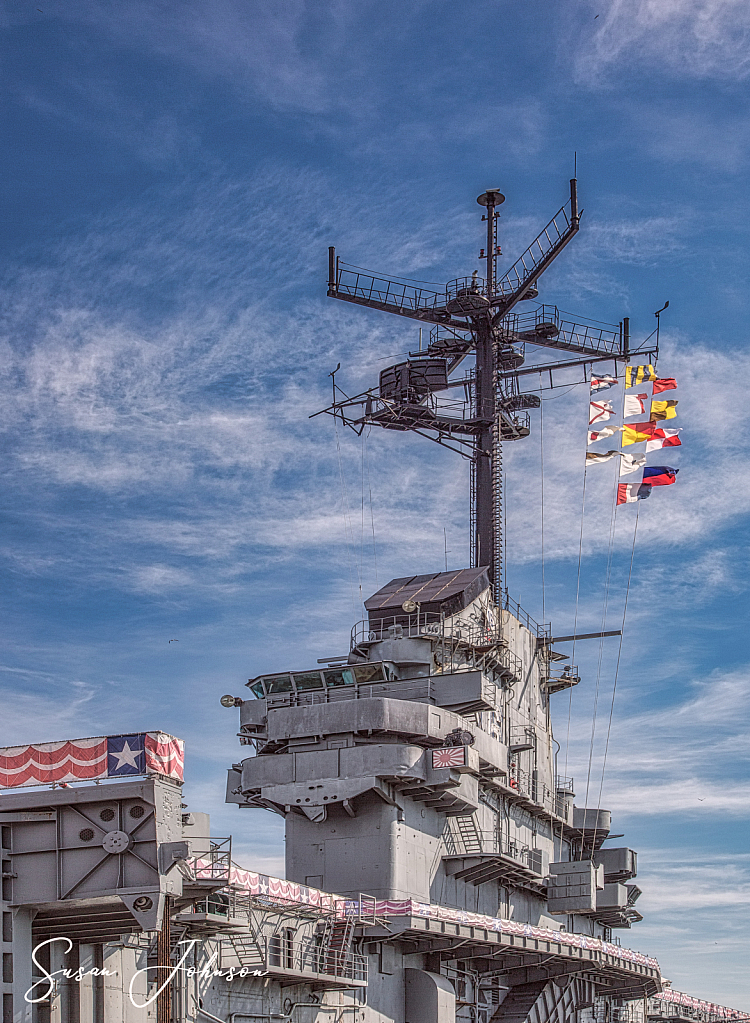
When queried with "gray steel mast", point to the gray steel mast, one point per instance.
{"points": [[474, 316]]}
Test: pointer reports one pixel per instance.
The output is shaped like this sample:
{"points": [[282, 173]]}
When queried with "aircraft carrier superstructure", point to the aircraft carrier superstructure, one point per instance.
{"points": [[422, 770]]}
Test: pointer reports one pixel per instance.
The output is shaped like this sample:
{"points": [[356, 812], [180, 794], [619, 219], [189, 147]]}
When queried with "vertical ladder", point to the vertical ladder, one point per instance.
{"points": [[469, 835]]}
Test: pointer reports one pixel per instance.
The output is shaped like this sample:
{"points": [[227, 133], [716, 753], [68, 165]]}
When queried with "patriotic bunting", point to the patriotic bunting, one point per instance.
{"points": [[602, 383], [663, 439], [663, 410], [638, 374], [666, 384], [635, 405], [113, 756], [599, 411]]}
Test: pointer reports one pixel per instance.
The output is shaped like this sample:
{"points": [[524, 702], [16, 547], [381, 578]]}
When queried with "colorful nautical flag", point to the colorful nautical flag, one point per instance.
{"points": [[663, 410], [659, 475], [663, 439], [635, 405], [599, 411], [608, 431], [627, 493], [602, 383], [637, 374], [630, 463], [592, 457], [664, 384], [633, 433]]}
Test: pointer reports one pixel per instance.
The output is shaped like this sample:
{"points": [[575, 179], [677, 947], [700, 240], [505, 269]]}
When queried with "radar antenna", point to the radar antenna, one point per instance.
{"points": [[472, 315]]}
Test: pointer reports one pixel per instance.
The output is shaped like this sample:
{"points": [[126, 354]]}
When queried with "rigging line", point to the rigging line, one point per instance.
{"points": [[393, 277], [608, 577], [345, 508], [586, 319], [362, 518], [570, 388], [575, 617], [372, 513], [541, 459], [619, 654]]}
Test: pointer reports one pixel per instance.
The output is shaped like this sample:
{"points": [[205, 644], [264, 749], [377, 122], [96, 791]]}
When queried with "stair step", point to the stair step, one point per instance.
{"points": [[517, 1004]]}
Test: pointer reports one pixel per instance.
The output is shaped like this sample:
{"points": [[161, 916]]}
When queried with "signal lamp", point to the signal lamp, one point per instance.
{"points": [[229, 701]]}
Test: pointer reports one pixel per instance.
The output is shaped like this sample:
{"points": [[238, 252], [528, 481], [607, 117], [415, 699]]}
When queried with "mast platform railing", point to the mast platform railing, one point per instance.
{"points": [[550, 240], [400, 295]]}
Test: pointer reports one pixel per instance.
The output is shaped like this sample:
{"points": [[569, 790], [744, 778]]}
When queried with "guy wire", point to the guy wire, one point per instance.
{"points": [[372, 513], [541, 459], [619, 654], [348, 533], [575, 617], [608, 576]]}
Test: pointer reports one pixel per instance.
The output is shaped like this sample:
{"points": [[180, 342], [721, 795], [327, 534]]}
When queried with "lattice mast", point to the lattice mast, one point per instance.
{"points": [[473, 316]]}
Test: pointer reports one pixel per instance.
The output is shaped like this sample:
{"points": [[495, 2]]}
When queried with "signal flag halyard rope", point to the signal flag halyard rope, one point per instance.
{"points": [[372, 513], [348, 531], [619, 655], [575, 617], [608, 577], [541, 459]]}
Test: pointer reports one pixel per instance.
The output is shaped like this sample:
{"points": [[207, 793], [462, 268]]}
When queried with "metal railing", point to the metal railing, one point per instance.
{"points": [[406, 689], [527, 785], [661, 1008], [463, 644], [490, 843], [308, 956], [213, 865], [508, 604], [545, 322], [526, 266], [401, 294]]}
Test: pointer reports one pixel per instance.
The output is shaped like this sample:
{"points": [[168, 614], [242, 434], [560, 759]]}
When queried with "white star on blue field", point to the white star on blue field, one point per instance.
{"points": [[173, 175]]}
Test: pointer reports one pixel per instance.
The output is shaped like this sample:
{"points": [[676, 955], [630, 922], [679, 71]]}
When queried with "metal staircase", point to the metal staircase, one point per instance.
{"points": [[337, 944], [518, 1003], [554, 1001], [249, 951]]}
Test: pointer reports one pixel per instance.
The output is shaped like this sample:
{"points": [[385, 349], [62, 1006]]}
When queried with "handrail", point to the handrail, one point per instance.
{"points": [[536, 254]]}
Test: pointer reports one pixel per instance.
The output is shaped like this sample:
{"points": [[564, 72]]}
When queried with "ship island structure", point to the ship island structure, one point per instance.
{"points": [[438, 867]]}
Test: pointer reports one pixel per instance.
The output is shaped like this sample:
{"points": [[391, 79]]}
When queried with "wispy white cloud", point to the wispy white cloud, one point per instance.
{"points": [[696, 38], [687, 755]]}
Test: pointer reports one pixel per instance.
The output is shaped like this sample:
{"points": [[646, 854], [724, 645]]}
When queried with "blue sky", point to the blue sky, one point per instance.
{"points": [[173, 175]]}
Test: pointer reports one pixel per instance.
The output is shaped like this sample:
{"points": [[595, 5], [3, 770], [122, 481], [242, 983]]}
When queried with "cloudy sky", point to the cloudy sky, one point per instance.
{"points": [[172, 177]]}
